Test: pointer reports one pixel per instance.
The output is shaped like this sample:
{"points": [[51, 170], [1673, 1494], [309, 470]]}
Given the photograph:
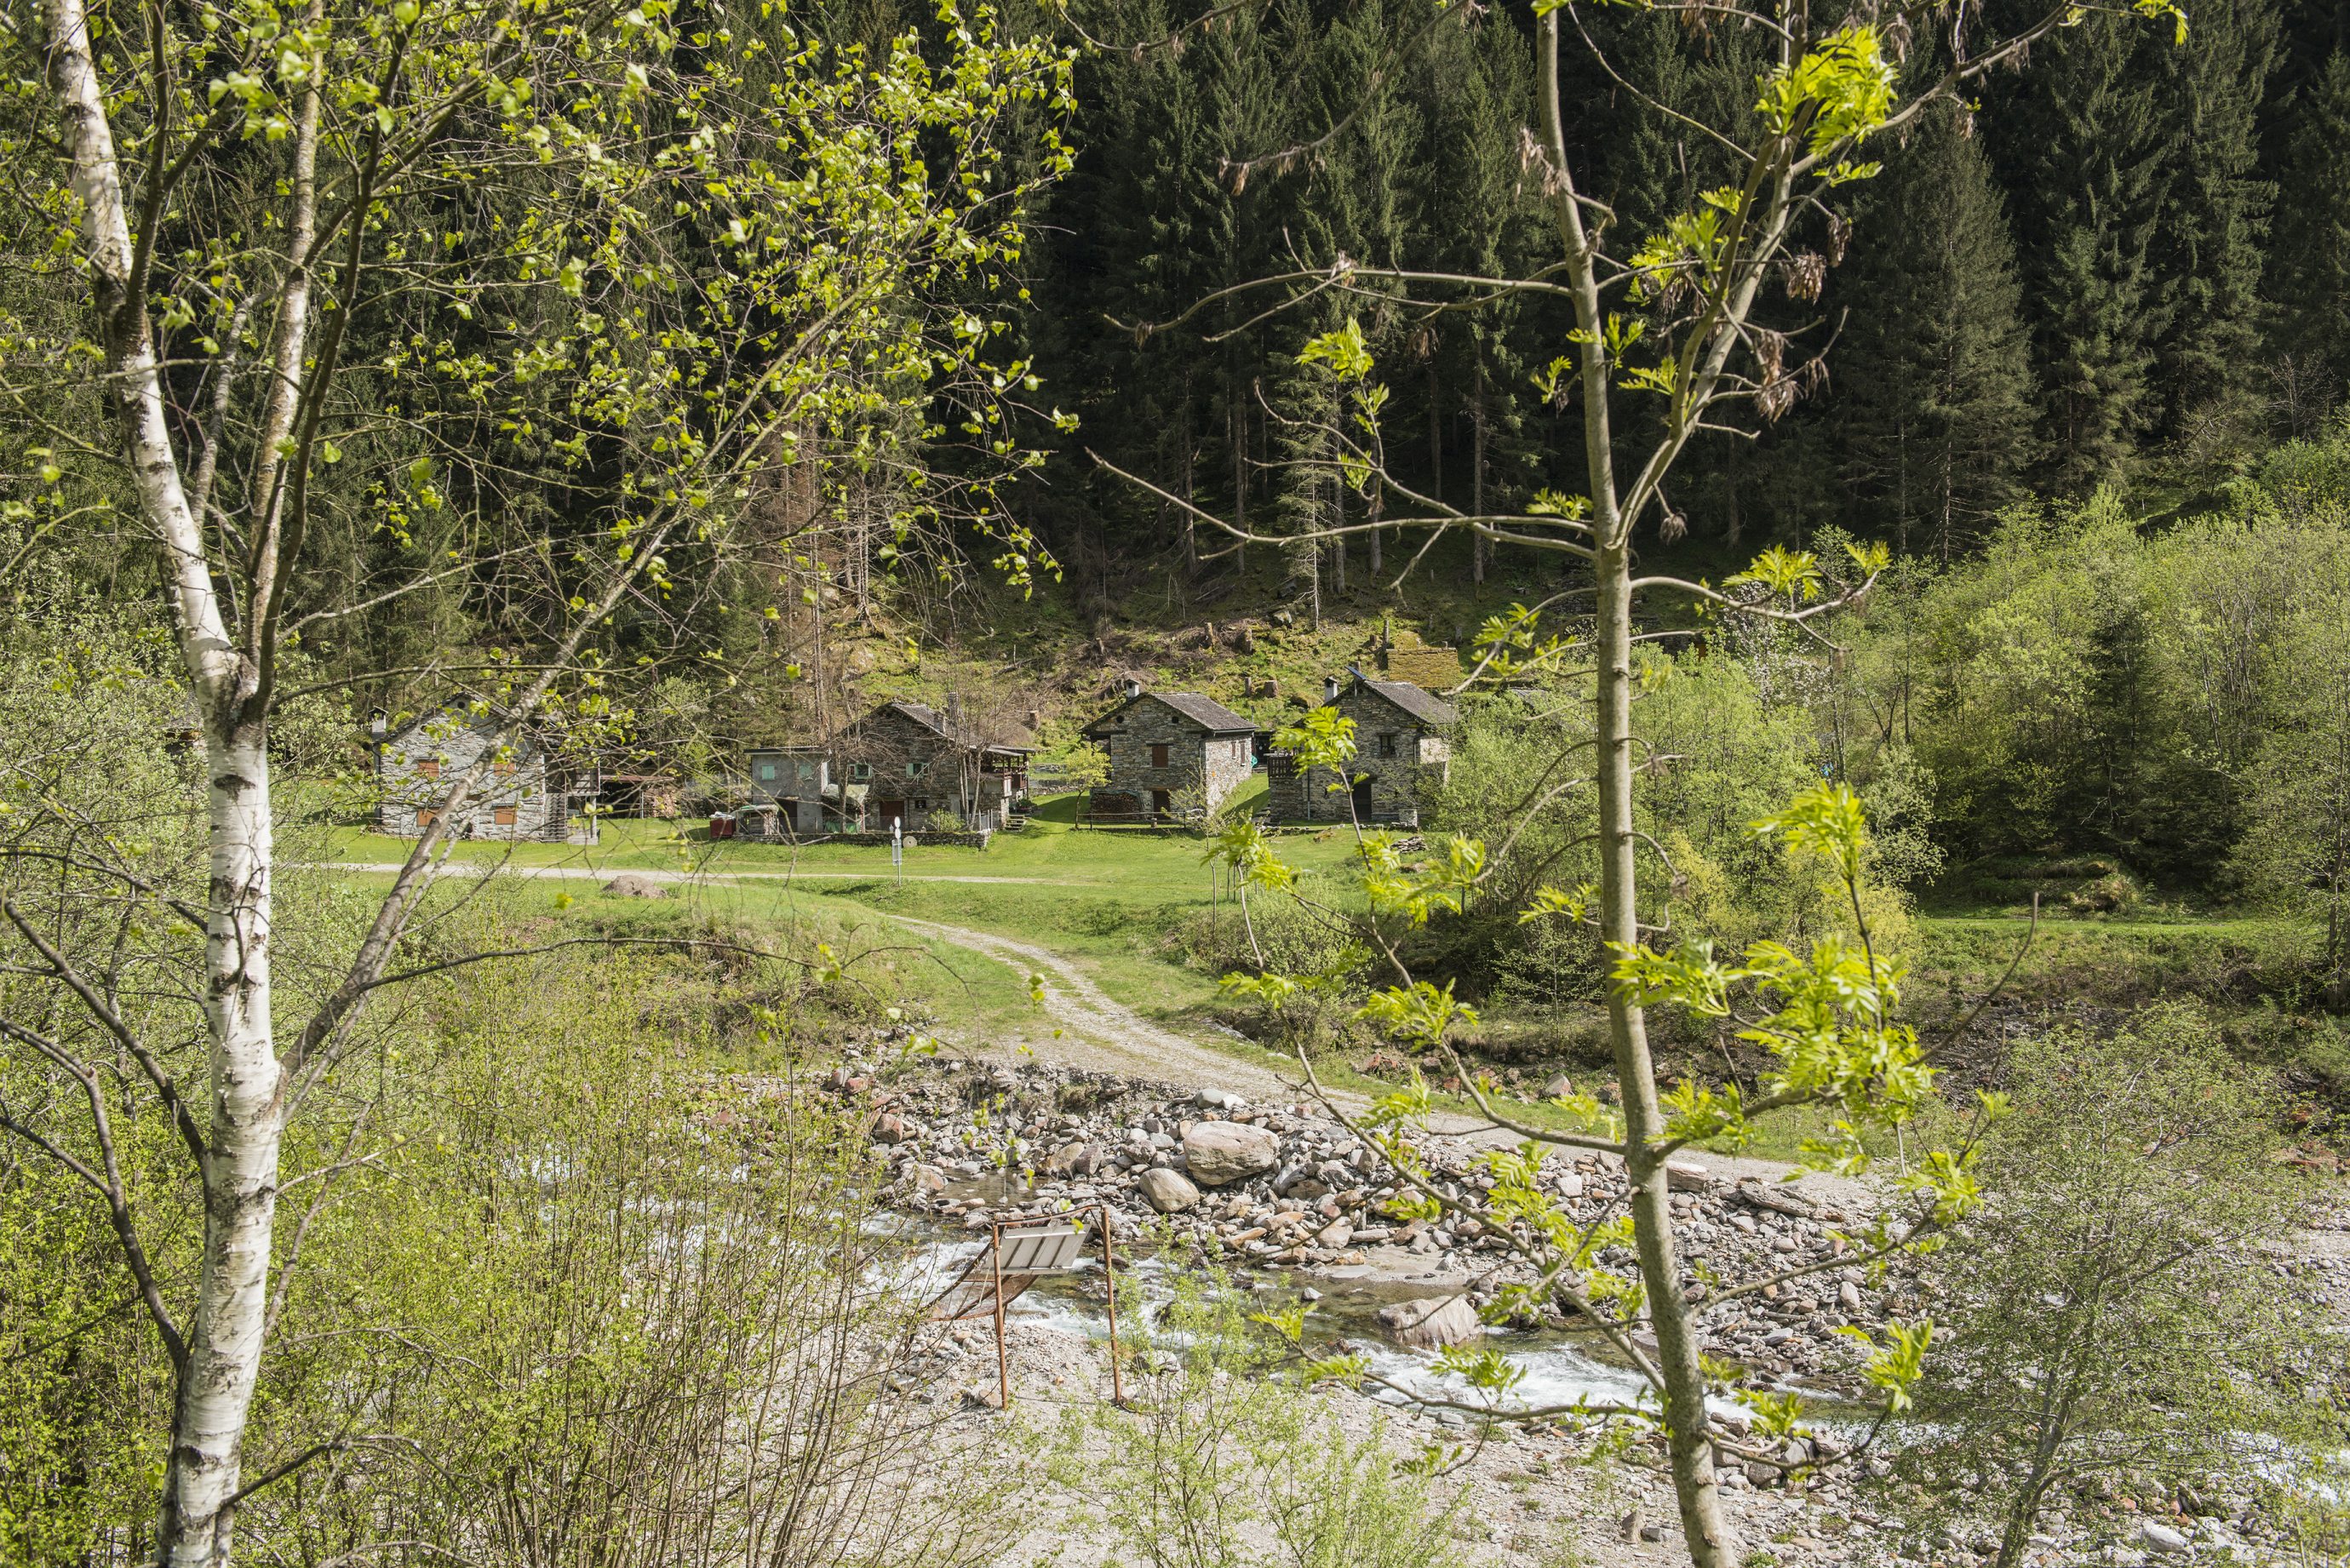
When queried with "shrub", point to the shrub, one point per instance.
{"points": [[2108, 1309], [1225, 1461]]}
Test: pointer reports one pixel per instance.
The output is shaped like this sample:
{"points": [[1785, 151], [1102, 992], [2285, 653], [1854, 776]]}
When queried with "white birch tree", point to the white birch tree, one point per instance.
{"points": [[344, 260]]}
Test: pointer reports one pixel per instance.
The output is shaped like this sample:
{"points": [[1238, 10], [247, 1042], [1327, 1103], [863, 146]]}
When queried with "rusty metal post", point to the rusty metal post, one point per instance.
{"points": [[1110, 1283], [1003, 1363]]}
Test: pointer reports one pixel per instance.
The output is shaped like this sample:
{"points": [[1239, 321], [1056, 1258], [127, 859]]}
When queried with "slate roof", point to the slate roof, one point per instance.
{"points": [[460, 710], [1422, 705], [931, 719], [1205, 712]]}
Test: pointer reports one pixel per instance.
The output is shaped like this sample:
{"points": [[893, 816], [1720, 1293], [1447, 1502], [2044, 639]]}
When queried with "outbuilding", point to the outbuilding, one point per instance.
{"points": [[1401, 745], [526, 792], [1170, 753]]}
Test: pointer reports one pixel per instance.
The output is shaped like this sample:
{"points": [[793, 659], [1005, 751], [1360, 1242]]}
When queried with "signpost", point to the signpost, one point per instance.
{"points": [[1019, 1253], [897, 847]]}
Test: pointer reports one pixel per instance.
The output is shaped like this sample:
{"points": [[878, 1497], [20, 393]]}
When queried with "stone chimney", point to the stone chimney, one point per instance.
{"points": [[1330, 689], [1133, 686]]}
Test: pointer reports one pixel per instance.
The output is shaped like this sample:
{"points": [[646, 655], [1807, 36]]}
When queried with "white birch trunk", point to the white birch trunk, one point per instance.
{"points": [[224, 1342], [239, 1177]]}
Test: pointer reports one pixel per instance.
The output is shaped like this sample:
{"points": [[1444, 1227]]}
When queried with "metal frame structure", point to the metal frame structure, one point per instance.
{"points": [[1038, 1251]]}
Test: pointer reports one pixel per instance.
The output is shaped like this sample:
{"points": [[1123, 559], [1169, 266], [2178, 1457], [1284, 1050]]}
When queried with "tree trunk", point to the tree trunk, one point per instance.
{"points": [[224, 1342], [1190, 454], [1480, 548], [222, 1355], [1710, 1544]]}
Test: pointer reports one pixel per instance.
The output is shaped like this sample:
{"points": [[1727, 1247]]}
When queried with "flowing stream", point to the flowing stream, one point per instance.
{"points": [[1554, 1368]]}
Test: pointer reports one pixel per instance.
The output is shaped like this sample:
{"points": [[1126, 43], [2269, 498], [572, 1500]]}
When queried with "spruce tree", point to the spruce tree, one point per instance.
{"points": [[1931, 420], [2131, 162], [2310, 340]]}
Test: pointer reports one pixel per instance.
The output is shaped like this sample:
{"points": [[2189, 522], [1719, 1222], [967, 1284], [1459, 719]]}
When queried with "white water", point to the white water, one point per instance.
{"points": [[1552, 1374]]}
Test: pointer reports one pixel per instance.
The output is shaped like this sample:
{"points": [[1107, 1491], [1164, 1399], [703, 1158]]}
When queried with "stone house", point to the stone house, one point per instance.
{"points": [[792, 793], [527, 794], [901, 763], [1169, 752], [1401, 744]]}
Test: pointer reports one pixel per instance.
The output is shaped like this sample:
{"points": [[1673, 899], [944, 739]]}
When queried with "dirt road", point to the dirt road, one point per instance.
{"points": [[1098, 1031], [591, 874]]}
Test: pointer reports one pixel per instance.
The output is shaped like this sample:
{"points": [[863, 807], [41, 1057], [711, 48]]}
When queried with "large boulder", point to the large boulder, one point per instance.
{"points": [[1432, 1324], [629, 885], [1218, 1153], [1167, 1190]]}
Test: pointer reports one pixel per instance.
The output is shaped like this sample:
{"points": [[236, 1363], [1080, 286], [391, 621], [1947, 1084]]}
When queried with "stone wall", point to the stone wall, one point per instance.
{"points": [[416, 767], [917, 839], [1218, 764], [1393, 751]]}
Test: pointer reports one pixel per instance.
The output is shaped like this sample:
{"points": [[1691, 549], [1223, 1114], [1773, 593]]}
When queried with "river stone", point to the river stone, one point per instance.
{"points": [[629, 885], [1218, 1153], [1432, 1324], [2162, 1538], [1336, 1234], [1167, 1190], [1688, 1176]]}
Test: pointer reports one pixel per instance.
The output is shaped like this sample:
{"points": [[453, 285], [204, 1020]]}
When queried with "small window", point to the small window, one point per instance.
{"points": [[766, 772], [503, 768], [1386, 743], [428, 767], [503, 816], [914, 770], [807, 771], [1158, 755], [859, 771]]}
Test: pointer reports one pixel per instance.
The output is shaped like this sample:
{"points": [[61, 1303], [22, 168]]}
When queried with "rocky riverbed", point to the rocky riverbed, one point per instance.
{"points": [[1289, 1198], [1288, 1186]]}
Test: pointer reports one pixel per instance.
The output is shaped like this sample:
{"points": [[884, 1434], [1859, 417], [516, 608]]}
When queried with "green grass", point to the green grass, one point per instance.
{"points": [[1112, 902], [2116, 960], [1117, 903]]}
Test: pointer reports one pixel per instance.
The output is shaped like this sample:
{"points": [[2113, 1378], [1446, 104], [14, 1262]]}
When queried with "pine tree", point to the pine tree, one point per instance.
{"points": [[1478, 227], [1931, 417], [2311, 284], [2131, 164], [2209, 242], [2082, 156]]}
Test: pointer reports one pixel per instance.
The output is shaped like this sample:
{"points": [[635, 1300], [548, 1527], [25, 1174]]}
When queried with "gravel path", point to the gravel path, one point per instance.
{"points": [[1101, 1033], [591, 874]]}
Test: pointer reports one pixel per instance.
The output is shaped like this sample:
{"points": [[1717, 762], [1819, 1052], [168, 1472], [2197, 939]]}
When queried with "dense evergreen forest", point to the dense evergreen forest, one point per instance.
{"points": [[2131, 268]]}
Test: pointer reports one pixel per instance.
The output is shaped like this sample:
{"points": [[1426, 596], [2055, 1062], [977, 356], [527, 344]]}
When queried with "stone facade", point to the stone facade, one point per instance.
{"points": [[1401, 745], [1169, 751], [521, 797], [789, 786], [901, 763]]}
